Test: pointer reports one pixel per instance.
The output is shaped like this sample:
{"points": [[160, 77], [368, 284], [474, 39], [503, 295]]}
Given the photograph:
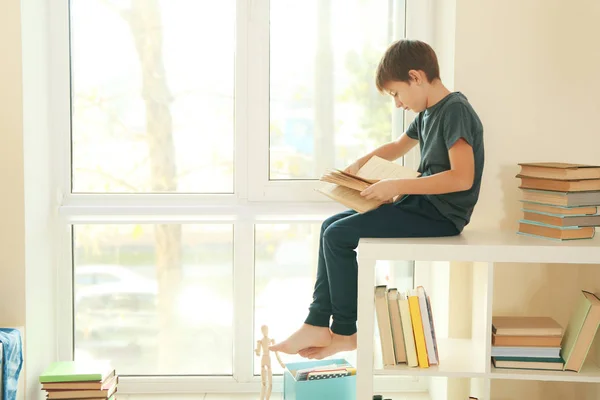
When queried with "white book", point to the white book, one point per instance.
{"points": [[425, 317], [409, 338], [537, 352], [385, 326]]}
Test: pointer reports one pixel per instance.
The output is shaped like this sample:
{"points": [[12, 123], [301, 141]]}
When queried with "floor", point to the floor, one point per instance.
{"points": [[246, 396]]}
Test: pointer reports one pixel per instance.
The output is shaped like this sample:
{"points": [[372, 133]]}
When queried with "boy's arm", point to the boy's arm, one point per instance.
{"points": [[390, 151], [459, 177]]}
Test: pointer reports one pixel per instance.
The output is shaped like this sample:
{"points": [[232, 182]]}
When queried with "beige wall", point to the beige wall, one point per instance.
{"points": [[12, 228], [531, 69]]}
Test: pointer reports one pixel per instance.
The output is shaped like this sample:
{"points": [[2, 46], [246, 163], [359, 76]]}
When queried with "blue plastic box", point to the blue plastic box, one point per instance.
{"points": [[343, 388]]}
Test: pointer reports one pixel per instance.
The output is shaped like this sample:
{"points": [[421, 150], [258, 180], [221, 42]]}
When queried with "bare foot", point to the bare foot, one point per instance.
{"points": [[338, 343], [306, 336]]}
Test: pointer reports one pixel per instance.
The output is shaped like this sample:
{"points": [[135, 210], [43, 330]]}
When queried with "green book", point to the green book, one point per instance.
{"points": [[577, 334], [76, 371]]}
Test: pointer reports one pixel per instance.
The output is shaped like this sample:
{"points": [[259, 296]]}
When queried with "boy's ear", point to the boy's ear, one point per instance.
{"points": [[415, 76]]}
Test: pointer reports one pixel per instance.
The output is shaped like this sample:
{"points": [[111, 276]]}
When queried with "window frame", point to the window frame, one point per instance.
{"points": [[260, 186], [255, 200]]}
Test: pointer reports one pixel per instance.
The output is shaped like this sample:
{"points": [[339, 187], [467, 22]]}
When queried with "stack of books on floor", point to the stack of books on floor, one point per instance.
{"points": [[406, 330], [560, 200], [526, 343], [80, 380], [522, 342]]}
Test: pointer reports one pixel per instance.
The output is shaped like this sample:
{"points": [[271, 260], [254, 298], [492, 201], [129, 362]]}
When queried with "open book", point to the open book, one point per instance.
{"points": [[345, 188]]}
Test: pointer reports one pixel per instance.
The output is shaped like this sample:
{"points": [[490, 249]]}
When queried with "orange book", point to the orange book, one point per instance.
{"points": [[526, 341], [525, 326], [560, 170], [558, 185]]}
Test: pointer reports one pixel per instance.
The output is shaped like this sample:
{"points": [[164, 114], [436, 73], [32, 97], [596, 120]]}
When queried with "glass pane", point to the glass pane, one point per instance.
{"points": [[325, 108], [152, 96], [155, 299], [285, 270]]}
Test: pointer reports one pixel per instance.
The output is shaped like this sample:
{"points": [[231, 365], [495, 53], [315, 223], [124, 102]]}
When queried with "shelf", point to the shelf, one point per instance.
{"points": [[484, 246], [590, 372], [459, 358]]}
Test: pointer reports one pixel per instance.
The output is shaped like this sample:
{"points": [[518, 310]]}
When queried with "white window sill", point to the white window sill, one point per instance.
{"points": [[251, 396]]}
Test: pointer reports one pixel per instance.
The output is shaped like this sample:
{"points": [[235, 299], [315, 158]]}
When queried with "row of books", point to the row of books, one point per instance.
{"points": [[406, 329], [535, 342], [76, 380], [560, 200]]}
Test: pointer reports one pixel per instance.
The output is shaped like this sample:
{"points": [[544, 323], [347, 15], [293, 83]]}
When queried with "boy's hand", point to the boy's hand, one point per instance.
{"points": [[384, 190], [354, 167]]}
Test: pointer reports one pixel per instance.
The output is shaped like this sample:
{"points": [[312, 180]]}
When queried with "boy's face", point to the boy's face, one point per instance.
{"points": [[410, 95]]}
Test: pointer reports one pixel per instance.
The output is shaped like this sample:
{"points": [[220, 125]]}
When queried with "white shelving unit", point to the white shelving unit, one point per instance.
{"points": [[468, 359]]}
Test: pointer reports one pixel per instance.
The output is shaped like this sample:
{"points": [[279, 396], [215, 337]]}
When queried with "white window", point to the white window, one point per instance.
{"points": [[189, 138]]}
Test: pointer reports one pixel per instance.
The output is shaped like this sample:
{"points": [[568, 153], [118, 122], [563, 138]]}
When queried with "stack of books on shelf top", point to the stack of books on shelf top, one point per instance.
{"points": [[406, 329], [541, 343], [76, 380], [560, 200]]}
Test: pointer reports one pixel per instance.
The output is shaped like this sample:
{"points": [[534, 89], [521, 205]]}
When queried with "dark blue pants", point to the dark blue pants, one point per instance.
{"points": [[335, 291]]}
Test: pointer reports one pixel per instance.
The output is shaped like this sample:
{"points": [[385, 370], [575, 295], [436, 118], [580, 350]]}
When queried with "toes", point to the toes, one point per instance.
{"points": [[305, 352], [310, 353]]}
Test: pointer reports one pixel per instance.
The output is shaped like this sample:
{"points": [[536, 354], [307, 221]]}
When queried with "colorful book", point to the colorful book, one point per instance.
{"points": [[103, 393], [562, 220], [530, 351], [559, 185], [409, 339], [417, 325], [396, 322], [555, 364], [525, 341], [525, 326], [560, 170], [562, 198], [537, 229], [77, 371], [581, 330], [558, 210], [427, 328], [385, 326]]}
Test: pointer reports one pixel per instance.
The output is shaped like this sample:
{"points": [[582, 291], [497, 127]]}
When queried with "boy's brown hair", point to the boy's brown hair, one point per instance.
{"points": [[401, 57]]}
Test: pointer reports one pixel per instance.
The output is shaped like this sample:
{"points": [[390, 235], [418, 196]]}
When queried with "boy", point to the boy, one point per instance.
{"points": [[437, 203]]}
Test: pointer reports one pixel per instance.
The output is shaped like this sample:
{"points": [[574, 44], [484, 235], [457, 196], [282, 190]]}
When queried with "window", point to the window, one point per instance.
{"points": [[160, 297], [192, 135], [152, 97]]}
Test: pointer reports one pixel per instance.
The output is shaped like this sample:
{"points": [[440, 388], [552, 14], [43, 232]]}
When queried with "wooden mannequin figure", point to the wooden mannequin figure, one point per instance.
{"points": [[266, 373]]}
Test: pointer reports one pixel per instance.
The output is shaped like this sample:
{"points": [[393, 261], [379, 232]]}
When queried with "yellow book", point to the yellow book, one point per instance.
{"points": [[417, 324]]}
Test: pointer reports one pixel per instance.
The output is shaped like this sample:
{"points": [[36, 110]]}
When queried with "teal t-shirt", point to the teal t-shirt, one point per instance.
{"points": [[437, 129]]}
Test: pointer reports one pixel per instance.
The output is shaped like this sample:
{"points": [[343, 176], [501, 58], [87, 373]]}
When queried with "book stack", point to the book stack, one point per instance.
{"points": [[406, 329], [345, 187], [560, 200], [526, 343], [540, 343], [80, 380]]}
